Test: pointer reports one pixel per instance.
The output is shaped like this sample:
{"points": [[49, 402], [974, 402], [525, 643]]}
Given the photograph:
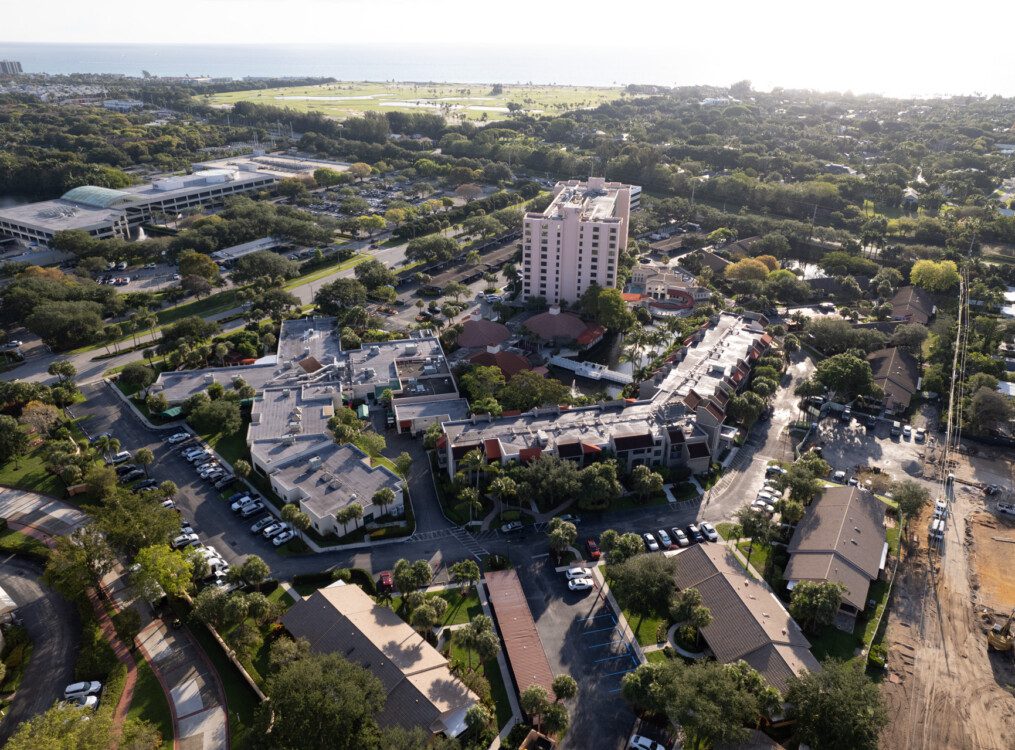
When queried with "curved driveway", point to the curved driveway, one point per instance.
{"points": [[52, 624]]}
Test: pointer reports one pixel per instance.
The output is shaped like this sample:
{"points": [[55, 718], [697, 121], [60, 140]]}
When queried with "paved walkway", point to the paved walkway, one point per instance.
{"points": [[191, 684]]}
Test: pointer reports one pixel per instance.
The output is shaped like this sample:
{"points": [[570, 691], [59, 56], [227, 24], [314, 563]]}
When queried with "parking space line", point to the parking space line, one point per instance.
{"points": [[607, 643], [599, 630], [623, 671], [610, 658], [596, 617]]}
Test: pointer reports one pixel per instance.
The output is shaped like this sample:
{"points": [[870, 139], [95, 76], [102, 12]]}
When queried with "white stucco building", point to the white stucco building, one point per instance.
{"points": [[576, 241]]}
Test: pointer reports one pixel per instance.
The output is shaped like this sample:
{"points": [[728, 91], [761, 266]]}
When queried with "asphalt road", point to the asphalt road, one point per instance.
{"points": [[580, 636], [52, 624]]}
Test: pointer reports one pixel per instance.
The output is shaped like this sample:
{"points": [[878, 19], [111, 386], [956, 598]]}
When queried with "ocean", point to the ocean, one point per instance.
{"points": [[677, 65]]}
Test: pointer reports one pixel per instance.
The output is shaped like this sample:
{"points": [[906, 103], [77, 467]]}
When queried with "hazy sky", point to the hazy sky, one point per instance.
{"points": [[862, 45]]}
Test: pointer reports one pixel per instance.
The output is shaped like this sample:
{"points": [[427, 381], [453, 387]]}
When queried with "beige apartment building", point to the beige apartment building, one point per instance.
{"points": [[576, 241]]}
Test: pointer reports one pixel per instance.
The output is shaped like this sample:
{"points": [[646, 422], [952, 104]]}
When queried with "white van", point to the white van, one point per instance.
{"points": [[936, 532], [940, 509]]}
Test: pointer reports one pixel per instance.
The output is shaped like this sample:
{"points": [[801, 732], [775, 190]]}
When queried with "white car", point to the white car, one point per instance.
{"points": [[907, 432], [168, 504], [680, 537], [241, 503], [119, 458], [85, 701], [639, 742], [580, 584], [78, 689], [709, 531], [284, 538], [650, 542], [198, 458], [664, 538], [839, 476], [573, 573], [184, 540], [188, 452], [179, 437], [275, 529]]}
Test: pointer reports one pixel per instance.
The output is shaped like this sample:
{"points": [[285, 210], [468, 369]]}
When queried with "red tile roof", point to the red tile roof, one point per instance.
{"points": [[632, 297], [529, 454], [508, 363], [518, 630], [591, 334], [563, 325]]}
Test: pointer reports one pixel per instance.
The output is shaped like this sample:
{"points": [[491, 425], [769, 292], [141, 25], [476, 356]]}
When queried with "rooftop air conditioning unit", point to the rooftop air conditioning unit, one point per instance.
{"points": [[315, 462], [209, 378], [326, 476]]}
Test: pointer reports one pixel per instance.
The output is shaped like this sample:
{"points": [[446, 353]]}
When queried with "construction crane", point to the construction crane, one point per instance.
{"points": [[1000, 637]]}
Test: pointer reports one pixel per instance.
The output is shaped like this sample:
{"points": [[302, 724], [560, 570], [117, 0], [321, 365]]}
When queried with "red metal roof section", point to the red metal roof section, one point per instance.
{"points": [[529, 454], [518, 631], [492, 449], [590, 334]]}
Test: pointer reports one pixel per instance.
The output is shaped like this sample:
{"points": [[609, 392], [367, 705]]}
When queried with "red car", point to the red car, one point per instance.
{"points": [[384, 580], [593, 548]]}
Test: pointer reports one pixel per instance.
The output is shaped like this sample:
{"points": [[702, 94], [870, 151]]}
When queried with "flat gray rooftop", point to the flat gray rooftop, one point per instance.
{"points": [[59, 215]]}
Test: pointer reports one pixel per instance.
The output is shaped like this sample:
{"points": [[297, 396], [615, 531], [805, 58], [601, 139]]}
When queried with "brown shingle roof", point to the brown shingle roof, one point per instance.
{"points": [[549, 326], [841, 538], [897, 373], [419, 686], [508, 363], [518, 631], [748, 621], [912, 304], [477, 333]]}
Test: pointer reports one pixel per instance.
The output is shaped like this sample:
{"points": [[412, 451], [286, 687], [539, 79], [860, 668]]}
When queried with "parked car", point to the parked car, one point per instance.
{"points": [[580, 584], [188, 452], [184, 540], [261, 523], [148, 484], [921, 434], [198, 458], [709, 531], [251, 509], [640, 742], [78, 689], [679, 537], [119, 458], [650, 542], [169, 504], [853, 482], [695, 533], [284, 538], [907, 432], [570, 518], [178, 437], [770, 470], [664, 538], [96, 438], [510, 527], [224, 483], [132, 475], [125, 469], [384, 581], [839, 476], [242, 503], [1007, 508], [592, 548], [940, 509], [274, 529], [214, 475], [237, 495], [579, 572], [85, 701]]}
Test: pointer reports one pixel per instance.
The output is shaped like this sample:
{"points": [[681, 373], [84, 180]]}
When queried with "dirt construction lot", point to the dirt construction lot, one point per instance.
{"points": [[994, 560], [943, 689]]}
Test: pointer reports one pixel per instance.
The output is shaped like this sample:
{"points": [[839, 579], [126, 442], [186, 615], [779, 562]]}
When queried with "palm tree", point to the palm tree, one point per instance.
{"points": [[473, 462]]}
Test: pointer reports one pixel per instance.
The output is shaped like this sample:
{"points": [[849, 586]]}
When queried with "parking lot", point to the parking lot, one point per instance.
{"points": [[846, 446], [579, 634]]}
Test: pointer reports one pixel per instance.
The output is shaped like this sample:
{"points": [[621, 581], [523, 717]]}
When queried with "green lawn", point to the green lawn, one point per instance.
{"points": [[461, 608], [685, 491], [29, 473], [491, 670], [14, 542], [833, 643], [657, 656], [320, 273], [341, 99], [759, 555], [150, 703], [627, 502]]}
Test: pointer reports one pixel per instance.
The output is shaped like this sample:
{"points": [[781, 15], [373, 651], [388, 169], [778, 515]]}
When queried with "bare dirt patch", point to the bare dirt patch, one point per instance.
{"points": [[993, 557], [943, 689]]}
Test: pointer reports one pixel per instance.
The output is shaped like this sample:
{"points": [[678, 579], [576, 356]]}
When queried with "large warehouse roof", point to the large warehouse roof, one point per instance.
{"points": [[99, 197]]}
